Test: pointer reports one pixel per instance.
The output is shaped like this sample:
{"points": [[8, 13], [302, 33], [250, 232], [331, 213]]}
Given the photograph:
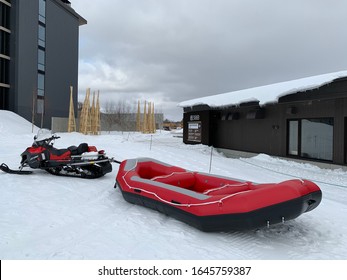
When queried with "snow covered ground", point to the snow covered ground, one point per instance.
{"points": [[48, 217]]}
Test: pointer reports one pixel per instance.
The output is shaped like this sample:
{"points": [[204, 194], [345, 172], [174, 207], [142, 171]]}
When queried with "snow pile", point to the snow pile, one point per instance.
{"points": [[265, 94], [50, 217], [13, 123]]}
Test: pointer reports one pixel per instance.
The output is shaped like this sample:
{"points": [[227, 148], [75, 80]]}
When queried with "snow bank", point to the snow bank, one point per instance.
{"points": [[11, 123], [265, 94], [53, 217]]}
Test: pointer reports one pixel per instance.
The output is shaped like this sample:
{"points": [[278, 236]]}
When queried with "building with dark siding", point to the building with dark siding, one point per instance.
{"points": [[38, 58], [304, 119]]}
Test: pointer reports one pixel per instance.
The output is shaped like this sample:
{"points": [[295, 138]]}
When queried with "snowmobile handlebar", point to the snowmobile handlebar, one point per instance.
{"points": [[47, 140]]}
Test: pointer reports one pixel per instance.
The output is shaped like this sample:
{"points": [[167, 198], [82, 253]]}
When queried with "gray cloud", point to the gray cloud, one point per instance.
{"points": [[174, 50]]}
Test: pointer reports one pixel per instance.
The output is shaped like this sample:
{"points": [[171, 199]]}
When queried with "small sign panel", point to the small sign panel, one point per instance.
{"points": [[195, 117], [194, 131]]}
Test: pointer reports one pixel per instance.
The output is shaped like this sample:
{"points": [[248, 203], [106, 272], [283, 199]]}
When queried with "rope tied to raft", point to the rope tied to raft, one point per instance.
{"points": [[219, 201]]}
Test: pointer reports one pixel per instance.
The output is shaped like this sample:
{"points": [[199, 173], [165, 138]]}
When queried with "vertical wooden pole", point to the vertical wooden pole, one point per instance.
{"points": [[97, 115], [138, 117], [43, 110], [153, 119], [33, 112], [144, 127], [87, 120], [81, 122], [72, 120], [150, 124], [84, 119], [150, 117], [92, 116]]}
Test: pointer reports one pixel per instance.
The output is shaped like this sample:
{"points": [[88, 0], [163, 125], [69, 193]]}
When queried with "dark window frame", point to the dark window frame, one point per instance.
{"points": [[299, 139], [4, 43]]}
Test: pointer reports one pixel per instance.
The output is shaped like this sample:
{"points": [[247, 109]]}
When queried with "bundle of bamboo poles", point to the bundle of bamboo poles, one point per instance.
{"points": [[72, 120], [90, 115], [147, 125]]}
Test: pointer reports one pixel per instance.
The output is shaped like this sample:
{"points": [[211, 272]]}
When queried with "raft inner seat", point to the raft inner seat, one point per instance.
{"points": [[195, 181]]}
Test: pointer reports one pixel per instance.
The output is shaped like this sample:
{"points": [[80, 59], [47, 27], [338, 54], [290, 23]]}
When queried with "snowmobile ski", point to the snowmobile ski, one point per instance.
{"points": [[6, 169]]}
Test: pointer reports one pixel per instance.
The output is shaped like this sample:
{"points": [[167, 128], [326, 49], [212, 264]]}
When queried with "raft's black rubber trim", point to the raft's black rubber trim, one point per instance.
{"points": [[259, 218]]}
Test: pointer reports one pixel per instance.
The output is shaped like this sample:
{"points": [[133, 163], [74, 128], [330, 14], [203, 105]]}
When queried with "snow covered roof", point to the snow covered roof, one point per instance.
{"points": [[265, 94]]}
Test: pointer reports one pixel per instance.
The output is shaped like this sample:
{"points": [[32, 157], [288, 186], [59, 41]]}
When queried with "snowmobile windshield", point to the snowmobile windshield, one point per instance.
{"points": [[42, 135]]}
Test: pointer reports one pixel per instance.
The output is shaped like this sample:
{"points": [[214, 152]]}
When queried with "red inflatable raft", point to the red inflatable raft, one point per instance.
{"points": [[213, 203]]}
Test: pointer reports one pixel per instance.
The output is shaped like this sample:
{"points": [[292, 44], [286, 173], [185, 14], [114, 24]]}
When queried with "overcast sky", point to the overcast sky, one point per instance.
{"points": [[168, 51]]}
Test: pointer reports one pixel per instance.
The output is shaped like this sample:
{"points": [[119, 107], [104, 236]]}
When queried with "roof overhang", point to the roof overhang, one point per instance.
{"points": [[264, 94], [67, 6]]}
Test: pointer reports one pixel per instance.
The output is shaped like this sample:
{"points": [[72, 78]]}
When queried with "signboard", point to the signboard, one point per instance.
{"points": [[194, 131], [194, 117]]}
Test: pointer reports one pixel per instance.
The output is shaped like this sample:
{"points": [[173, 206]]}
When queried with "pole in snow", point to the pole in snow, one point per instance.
{"points": [[209, 171]]}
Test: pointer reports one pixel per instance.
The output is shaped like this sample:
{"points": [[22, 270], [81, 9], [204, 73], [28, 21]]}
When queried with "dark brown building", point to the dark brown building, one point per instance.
{"points": [[304, 118]]}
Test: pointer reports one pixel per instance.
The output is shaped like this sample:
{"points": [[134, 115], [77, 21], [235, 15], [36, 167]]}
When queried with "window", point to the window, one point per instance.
{"points": [[42, 35], [40, 106], [4, 43], [3, 98], [293, 142], [311, 138], [317, 138], [4, 73], [41, 57], [4, 16], [40, 84], [41, 60], [42, 11]]}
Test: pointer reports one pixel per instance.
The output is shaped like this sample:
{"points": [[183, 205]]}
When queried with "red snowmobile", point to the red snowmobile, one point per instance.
{"points": [[83, 161]]}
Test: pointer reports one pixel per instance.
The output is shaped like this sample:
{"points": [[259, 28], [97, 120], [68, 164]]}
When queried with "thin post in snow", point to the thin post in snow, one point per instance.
{"points": [[33, 112], [209, 171], [150, 146]]}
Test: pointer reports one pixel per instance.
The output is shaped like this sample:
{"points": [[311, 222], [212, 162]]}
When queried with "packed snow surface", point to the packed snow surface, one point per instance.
{"points": [[265, 94], [43, 216]]}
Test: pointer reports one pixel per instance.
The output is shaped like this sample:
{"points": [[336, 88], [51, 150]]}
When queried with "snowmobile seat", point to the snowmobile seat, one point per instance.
{"points": [[73, 150], [57, 152], [82, 148], [53, 153]]}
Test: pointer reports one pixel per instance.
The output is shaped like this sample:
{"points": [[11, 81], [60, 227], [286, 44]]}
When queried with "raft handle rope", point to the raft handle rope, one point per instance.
{"points": [[172, 174], [226, 186]]}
